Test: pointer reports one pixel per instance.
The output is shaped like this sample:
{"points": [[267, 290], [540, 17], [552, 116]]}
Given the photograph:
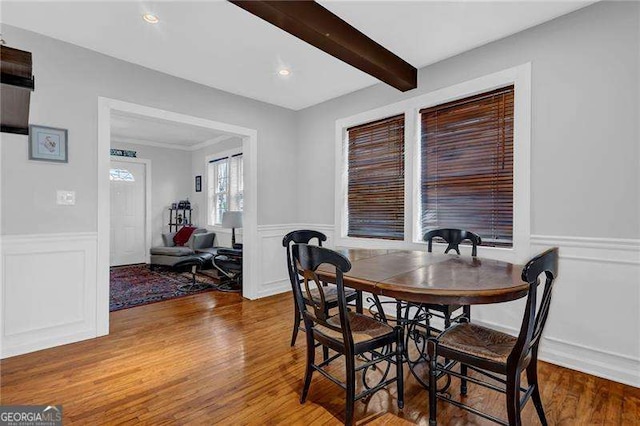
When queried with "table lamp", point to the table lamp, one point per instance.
{"points": [[233, 220]]}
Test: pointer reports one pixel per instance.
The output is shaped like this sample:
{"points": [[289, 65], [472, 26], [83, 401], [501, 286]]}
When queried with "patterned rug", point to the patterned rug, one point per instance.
{"points": [[136, 285]]}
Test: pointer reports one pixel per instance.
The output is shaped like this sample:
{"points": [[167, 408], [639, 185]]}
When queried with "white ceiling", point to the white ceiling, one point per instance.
{"points": [[133, 128], [220, 45]]}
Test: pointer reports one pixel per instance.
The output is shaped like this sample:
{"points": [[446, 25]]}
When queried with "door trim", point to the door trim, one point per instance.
{"points": [[147, 200], [250, 264]]}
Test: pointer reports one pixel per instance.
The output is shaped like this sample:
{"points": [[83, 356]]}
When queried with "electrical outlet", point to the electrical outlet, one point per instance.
{"points": [[66, 198]]}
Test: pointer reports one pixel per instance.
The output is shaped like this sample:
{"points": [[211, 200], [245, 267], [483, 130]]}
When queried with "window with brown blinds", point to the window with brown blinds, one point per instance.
{"points": [[467, 166], [376, 179]]}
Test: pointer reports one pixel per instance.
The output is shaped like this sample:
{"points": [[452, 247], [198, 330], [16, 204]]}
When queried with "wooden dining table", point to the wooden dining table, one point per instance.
{"points": [[421, 277]]}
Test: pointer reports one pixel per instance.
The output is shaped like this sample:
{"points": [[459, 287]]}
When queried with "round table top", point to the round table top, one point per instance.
{"points": [[420, 277]]}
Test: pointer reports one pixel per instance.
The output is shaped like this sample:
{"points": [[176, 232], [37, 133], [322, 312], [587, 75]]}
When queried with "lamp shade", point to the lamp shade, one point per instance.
{"points": [[232, 219]]}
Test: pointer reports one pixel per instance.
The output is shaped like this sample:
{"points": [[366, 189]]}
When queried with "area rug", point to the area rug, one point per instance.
{"points": [[137, 285]]}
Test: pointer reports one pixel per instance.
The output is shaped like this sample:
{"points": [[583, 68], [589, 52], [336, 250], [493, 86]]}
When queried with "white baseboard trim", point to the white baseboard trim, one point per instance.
{"points": [[41, 344], [608, 365], [272, 288]]}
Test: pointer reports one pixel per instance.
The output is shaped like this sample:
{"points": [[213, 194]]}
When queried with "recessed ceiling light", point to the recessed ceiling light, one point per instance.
{"points": [[150, 18], [284, 72]]}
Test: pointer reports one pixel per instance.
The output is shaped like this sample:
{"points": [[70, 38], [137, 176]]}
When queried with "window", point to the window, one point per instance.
{"points": [[375, 164], [225, 187], [467, 166]]}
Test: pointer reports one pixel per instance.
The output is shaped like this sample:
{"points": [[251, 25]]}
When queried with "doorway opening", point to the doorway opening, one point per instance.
{"points": [[162, 165]]}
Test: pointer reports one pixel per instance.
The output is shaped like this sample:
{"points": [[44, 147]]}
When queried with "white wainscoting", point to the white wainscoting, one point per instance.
{"points": [[274, 278], [48, 291], [594, 321], [593, 325], [49, 296]]}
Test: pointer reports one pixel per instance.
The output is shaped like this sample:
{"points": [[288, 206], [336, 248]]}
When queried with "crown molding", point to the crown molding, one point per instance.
{"points": [[209, 142], [119, 139]]}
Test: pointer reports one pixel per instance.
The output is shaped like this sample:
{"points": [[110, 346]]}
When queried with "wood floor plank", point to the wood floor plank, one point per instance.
{"points": [[214, 358]]}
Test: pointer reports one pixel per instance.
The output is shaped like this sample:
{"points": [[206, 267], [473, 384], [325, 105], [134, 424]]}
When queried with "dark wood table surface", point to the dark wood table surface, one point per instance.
{"points": [[421, 277]]}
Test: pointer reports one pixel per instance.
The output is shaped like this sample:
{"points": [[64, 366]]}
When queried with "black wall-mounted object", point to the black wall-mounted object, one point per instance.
{"points": [[123, 153], [17, 84]]}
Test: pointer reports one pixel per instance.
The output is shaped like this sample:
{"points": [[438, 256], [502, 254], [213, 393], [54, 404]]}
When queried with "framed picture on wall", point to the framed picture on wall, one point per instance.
{"points": [[198, 183], [48, 144]]}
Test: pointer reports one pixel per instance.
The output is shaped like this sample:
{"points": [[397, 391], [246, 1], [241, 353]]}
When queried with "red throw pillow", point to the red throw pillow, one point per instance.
{"points": [[183, 235]]}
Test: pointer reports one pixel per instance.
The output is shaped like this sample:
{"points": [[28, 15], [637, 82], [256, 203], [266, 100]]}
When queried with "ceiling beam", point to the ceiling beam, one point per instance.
{"points": [[311, 22]]}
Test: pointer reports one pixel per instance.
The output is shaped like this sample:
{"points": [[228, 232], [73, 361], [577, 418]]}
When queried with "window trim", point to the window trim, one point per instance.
{"points": [[520, 77], [208, 159]]}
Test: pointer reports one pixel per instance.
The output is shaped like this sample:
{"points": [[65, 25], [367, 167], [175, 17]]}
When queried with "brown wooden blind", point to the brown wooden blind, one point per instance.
{"points": [[376, 179], [467, 166]]}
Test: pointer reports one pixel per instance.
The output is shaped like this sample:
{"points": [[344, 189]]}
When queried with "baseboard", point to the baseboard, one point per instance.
{"points": [[274, 287], [21, 349]]}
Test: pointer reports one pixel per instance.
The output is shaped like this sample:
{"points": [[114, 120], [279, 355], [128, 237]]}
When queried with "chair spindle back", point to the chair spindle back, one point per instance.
{"points": [[534, 319], [453, 237], [302, 236], [306, 259]]}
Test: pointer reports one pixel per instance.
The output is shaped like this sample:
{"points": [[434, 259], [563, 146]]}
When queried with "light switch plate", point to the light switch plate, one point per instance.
{"points": [[66, 198]]}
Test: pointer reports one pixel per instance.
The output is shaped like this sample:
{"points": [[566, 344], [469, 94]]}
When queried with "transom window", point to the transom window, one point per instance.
{"points": [[120, 175], [225, 187]]}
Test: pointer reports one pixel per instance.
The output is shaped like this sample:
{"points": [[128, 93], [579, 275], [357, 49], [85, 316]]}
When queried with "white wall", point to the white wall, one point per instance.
{"points": [[170, 182], [585, 174], [585, 121], [69, 80]]}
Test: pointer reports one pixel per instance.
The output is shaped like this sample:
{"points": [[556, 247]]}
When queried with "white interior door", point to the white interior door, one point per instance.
{"points": [[128, 212]]}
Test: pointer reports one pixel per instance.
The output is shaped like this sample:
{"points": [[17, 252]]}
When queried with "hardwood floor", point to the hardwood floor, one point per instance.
{"points": [[214, 358]]}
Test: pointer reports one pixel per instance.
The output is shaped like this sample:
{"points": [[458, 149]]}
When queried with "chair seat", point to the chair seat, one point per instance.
{"points": [[482, 342], [331, 294], [363, 328]]}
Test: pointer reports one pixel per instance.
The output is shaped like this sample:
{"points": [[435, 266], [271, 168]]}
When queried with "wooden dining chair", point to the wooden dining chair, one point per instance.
{"points": [[350, 334], [498, 356], [453, 237], [305, 236]]}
